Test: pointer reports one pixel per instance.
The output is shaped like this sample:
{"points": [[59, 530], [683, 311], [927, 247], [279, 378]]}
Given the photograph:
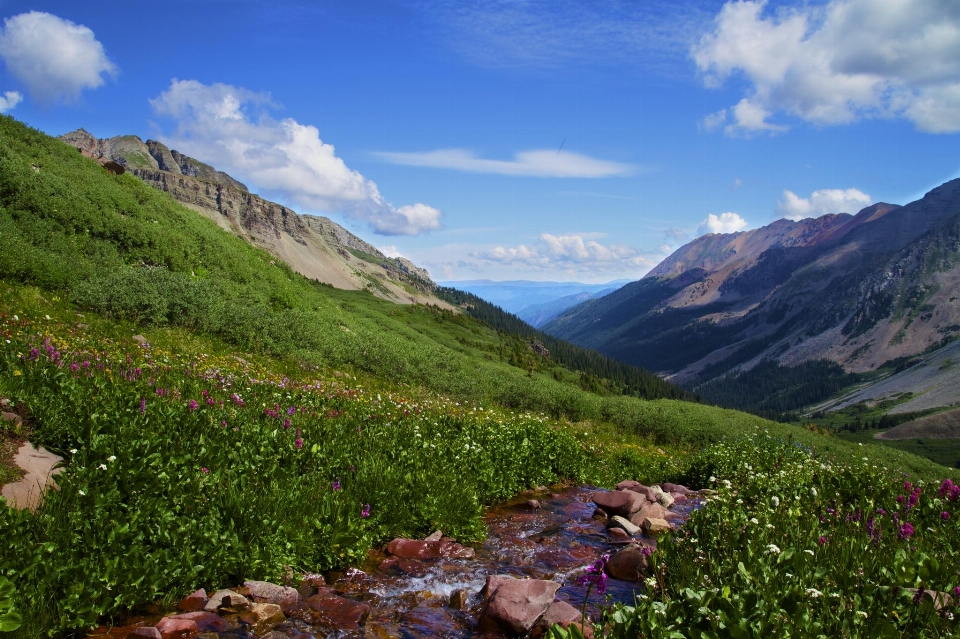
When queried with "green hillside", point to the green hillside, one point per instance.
{"points": [[266, 422]]}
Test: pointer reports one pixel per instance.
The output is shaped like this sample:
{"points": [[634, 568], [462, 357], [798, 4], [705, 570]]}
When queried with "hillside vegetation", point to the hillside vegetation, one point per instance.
{"points": [[263, 423]]}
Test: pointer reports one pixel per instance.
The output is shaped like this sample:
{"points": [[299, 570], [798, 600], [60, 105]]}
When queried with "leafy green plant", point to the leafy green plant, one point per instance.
{"points": [[9, 619]]}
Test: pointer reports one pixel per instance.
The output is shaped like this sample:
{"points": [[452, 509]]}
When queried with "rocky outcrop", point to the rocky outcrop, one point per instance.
{"points": [[313, 246]]}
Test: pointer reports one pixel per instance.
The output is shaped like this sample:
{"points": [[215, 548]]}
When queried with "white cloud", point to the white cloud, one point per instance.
{"points": [[9, 100], [793, 207], [390, 251], [230, 128], [724, 223], [540, 163], [837, 63], [55, 58], [571, 252]]}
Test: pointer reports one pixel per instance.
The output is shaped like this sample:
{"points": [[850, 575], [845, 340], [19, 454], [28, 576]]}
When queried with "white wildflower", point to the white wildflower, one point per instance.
{"points": [[808, 551], [773, 549], [651, 582], [712, 478], [73, 451], [813, 492], [813, 592], [753, 520], [81, 493], [861, 613], [774, 501], [102, 466], [112, 458]]}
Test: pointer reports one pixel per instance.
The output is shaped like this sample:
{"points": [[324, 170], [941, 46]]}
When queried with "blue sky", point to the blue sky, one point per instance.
{"points": [[516, 140]]}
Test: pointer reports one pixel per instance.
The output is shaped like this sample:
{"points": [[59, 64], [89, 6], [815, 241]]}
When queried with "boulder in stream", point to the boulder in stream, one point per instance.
{"points": [[620, 522], [629, 564], [560, 612], [618, 502], [265, 592], [336, 612], [171, 628], [514, 605], [228, 599], [194, 601], [637, 487], [422, 549]]}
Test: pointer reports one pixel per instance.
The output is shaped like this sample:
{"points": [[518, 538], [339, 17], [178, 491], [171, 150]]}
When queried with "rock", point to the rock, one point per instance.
{"points": [[436, 535], [338, 612], [676, 488], [171, 628], [206, 621], [600, 514], [637, 487], [273, 634], [655, 526], [314, 579], [665, 499], [194, 601], [150, 632], [560, 612], [652, 510], [618, 502], [140, 339], [619, 522], [618, 534], [416, 549], [305, 590], [516, 604], [13, 418], [459, 599], [266, 592], [38, 466], [629, 564], [412, 567], [263, 617], [235, 603], [533, 504]]}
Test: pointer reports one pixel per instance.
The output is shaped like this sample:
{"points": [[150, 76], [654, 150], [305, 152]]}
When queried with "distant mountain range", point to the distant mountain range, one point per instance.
{"points": [[869, 291], [534, 302], [314, 246]]}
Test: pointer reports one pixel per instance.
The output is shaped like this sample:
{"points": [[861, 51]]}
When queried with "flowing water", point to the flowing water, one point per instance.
{"points": [[441, 597]]}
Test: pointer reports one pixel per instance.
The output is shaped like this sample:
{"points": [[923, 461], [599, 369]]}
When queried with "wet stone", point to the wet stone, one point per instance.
{"points": [[148, 632], [227, 599], [266, 592], [171, 628], [618, 534], [655, 526], [337, 612], [629, 564], [516, 604], [619, 502], [206, 621], [194, 601], [459, 599], [436, 535], [533, 504]]}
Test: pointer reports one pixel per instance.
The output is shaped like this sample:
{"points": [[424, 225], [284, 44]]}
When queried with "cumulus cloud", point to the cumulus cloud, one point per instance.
{"points": [[568, 252], [793, 207], [9, 100], [230, 128], [56, 59], [539, 163], [836, 63], [724, 223]]}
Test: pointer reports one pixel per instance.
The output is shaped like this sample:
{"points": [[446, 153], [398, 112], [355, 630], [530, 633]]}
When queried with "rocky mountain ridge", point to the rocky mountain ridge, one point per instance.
{"points": [[314, 246], [860, 290]]}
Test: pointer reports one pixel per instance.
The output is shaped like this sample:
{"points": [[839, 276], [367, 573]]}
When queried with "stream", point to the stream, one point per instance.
{"points": [[413, 598]]}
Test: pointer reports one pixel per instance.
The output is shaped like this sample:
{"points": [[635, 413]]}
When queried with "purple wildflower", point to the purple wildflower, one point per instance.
{"points": [[822, 540], [336, 483], [647, 551], [365, 511], [918, 597], [143, 405], [595, 575], [944, 515], [298, 443], [291, 410], [193, 404], [286, 423], [906, 530], [205, 470]]}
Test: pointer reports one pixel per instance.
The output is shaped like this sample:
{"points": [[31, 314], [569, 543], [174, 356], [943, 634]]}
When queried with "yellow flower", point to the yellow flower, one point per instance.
{"points": [[17, 373]]}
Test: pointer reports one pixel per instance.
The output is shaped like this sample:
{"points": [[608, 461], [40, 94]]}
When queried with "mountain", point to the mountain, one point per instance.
{"points": [[314, 246], [861, 291], [514, 296], [539, 314]]}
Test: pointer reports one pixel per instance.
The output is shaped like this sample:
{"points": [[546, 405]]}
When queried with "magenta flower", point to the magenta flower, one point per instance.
{"points": [[595, 575], [365, 511], [298, 443], [822, 540], [647, 551], [205, 470], [286, 423], [906, 530], [336, 484], [143, 405], [291, 410], [944, 515], [193, 404]]}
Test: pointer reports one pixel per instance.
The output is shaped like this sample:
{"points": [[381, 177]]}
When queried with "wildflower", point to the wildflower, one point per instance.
{"points": [[813, 592], [73, 451], [112, 458], [906, 530], [813, 491], [291, 410], [81, 493], [648, 550], [753, 520], [193, 404], [298, 443], [918, 597], [944, 515], [286, 423], [102, 466], [595, 575], [205, 470], [651, 582], [365, 511], [774, 501], [861, 613], [336, 484], [773, 549], [822, 540]]}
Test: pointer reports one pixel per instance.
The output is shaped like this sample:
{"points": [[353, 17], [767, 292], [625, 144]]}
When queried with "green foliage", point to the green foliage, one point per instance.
{"points": [[793, 545], [9, 619]]}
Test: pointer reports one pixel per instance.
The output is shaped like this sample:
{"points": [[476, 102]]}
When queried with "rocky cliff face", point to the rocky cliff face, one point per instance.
{"points": [[858, 290], [314, 246]]}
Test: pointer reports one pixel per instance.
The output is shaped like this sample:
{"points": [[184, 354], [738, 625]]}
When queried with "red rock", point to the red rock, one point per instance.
{"points": [[11, 417], [655, 526], [206, 621], [193, 601], [266, 592], [418, 549], [412, 567], [629, 564], [600, 514], [337, 612], [171, 628], [314, 579], [637, 487], [516, 604], [149, 632], [676, 488], [560, 612], [618, 534], [619, 502], [229, 599], [533, 504], [263, 617]]}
